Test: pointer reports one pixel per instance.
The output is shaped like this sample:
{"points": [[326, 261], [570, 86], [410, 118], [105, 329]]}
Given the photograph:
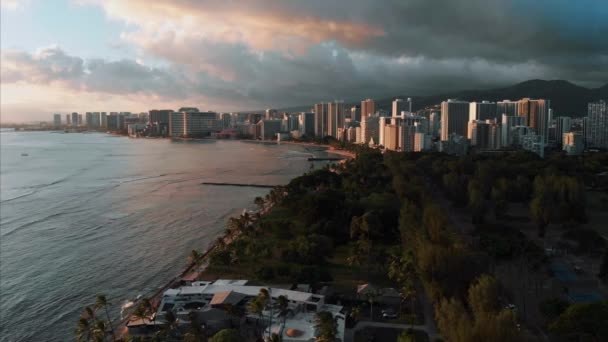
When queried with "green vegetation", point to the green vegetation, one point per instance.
{"points": [[583, 322], [226, 335]]}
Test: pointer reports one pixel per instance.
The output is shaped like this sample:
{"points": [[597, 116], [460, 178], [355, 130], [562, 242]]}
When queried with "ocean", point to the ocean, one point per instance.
{"points": [[83, 214]]}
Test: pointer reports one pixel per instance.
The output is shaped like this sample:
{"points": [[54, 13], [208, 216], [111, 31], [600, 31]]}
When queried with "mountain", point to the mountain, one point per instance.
{"points": [[566, 98]]}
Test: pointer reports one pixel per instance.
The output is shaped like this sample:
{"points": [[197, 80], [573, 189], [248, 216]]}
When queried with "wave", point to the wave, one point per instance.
{"points": [[18, 197], [31, 223]]}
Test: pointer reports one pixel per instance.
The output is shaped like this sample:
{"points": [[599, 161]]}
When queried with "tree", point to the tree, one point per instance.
{"points": [[406, 336], [483, 296], [102, 302], [194, 257], [476, 201], [226, 335], [259, 201], [326, 326], [408, 292], [583, 322], [453, 320], [83, 331], [603, 273], [282, 303], [99, 330], [274, 338], [541, 205]]}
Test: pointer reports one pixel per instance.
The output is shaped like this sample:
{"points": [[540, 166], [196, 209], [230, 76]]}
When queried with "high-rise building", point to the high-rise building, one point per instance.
{"points": [[80, 122], [269, 128], [159, 118], [454, 118], [74, 119], [382, 123], [355, 113], [89, 119], [57, 120], [226, 119], [321, 118], [536, 113], [508, 123], [479, 133], [596, 125], [271, 114], [369, 130], [573, 143], [400, 106], [307, 124], [103, 120], [434, 124], [368, 107], [506, 107], [422, 142], [563, 124], [193, 124], [494, 137], [68, 121], [391, 137], [483, 111], [335, 112]]}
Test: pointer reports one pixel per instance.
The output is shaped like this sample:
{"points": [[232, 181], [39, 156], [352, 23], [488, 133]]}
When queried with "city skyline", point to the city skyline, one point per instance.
{"points": [[141, 55]]}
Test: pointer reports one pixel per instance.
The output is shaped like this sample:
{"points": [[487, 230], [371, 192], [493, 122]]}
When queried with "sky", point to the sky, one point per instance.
{"points": [[60, 56]]}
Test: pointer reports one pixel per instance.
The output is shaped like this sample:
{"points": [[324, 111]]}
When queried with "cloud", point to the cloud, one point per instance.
{"points": [[233, 55]]}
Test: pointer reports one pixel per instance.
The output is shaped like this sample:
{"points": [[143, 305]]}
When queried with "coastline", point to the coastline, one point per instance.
{"points": [[194, 270]]}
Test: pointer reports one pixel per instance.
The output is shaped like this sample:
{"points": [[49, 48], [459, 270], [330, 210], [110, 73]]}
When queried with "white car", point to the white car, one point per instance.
{"points": [[389, 314]]}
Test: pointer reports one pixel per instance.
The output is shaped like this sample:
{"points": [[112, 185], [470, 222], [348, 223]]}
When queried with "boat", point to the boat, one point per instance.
{"points": [[24, 154]]}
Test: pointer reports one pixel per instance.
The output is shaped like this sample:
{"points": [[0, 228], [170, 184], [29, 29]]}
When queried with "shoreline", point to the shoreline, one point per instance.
{"points": [[195, 269]]}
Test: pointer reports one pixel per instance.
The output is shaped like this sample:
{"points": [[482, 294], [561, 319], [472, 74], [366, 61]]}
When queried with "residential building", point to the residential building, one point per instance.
{"points": [[226, 120], [268, 129], [479, 132], [335, 112], [103, 120], [454, 118], [355, 113], [506, 107], [596, 125], [400, 106], [307, 123], [208, 301], [454, 144], [508, 123], [563, 125], [321, 118], [271, 114], [368, 107], [193, 124], [369, 130], [57, 120], [573, 143], [159, 119], [536, 113], [483, 111], [435, 124], [74, 119], [68, 120], [391, 137], [422, 142]]}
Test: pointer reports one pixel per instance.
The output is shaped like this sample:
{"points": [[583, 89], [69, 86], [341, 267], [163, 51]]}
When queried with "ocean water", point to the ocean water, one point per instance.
{"points": [[88, 214]]}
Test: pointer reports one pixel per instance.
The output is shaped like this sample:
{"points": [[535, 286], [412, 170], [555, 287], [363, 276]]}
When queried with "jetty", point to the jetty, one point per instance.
{"points": [[325, 159], [240, 184]]}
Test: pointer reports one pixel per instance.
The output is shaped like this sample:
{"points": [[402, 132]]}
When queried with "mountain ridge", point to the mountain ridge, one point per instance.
{"points": [[567, 99]]}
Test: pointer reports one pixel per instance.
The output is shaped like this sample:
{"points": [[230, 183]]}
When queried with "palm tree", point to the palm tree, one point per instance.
{"points": [[355, 313], [256, 307], [99, 331], [140, 313], [274, 338], [101, 302], [194, 257], [83, 331], [326, 326], [283, 303], [170, 325]]}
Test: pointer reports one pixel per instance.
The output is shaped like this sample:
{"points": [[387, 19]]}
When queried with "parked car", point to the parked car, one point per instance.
{"points": [[389, 314]]}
